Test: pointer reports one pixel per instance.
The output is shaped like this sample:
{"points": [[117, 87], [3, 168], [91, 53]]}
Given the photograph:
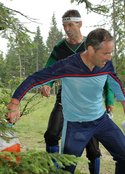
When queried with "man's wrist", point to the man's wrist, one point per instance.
{"points": [[14, 101]]}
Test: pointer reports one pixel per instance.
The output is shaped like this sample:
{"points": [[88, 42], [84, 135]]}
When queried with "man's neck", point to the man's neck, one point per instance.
{"points": [[75, 40], [86, 60]]}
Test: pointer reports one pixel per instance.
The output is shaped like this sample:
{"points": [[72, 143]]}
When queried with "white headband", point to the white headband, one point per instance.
{"points": [[68, 19]]}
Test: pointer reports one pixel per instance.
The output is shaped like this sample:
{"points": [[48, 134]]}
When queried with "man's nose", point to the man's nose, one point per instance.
{"points": [[66, 28]]}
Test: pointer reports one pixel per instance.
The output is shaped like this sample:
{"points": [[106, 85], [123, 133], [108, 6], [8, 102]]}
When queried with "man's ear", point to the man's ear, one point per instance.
{"points": [[91, 49], [80, 24]]}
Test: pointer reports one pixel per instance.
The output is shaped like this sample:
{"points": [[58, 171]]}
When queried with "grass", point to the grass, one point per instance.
{"points": [[31, 128]]}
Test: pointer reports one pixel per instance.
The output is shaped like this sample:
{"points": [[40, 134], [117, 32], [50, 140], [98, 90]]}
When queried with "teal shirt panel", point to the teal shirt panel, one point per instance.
{"points": [[83, 105]]}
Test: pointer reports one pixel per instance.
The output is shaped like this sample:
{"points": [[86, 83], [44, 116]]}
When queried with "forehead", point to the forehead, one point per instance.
{"points": [[107, 44], [70, 23]]}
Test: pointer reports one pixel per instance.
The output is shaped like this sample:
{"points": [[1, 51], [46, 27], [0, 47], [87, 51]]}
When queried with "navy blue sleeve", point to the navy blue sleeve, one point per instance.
{"points": [[39, 78]]}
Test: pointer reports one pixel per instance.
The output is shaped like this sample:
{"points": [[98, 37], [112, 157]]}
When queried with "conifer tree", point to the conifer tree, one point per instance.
{"points": [[54, 35]]}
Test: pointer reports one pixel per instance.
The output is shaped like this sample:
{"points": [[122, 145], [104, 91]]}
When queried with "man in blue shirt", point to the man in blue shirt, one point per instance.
{"points": [[83, 77]]}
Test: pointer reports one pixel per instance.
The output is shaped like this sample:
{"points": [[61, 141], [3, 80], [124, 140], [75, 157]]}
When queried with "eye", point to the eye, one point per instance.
{"points": [[70, 25]]}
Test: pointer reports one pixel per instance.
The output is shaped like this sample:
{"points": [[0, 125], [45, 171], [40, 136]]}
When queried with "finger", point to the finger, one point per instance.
{"points": [[46, 93]]}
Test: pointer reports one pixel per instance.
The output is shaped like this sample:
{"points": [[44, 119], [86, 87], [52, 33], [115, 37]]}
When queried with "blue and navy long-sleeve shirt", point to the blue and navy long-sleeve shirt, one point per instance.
{"points": [[82, 89]]}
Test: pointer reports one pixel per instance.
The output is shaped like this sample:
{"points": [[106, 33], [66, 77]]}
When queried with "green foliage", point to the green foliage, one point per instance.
{"points": [[118, 25], [5, 127], [35, 162], [31, 162], [10, 26], [100, 9], [18, 61]]}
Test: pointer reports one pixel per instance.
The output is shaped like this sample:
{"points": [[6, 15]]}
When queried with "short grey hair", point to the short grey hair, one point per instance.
{"points": [[96, 37]]}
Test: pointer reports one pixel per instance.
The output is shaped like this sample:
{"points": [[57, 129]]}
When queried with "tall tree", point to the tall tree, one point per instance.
{"points": [[39, 52], [19, 55], [118, 23], [12, 64], [54, 35], [17, 35]]}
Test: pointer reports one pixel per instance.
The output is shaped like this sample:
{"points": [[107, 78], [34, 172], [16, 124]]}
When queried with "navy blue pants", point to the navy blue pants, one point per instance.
{"points": [[76, 135]]}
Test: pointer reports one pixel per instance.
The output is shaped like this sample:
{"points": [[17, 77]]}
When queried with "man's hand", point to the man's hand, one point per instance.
{"points": [[14, 112], [45, 91], [109, 108]]}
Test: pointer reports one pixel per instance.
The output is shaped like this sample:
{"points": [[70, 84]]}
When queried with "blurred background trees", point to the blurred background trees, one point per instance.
{"points": [[26, 55]]}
